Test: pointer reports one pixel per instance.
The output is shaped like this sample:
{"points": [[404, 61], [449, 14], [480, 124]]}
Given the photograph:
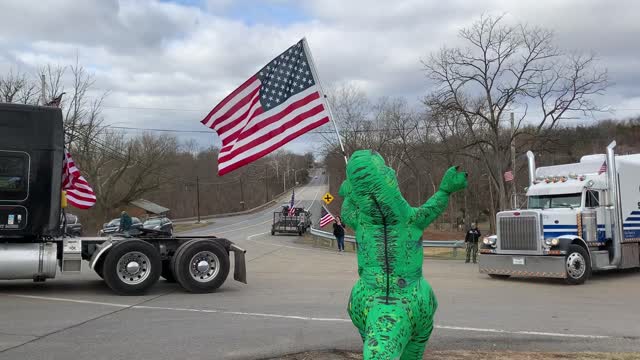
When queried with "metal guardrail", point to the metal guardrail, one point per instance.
{"points": [[453, 244], [276, 200]]}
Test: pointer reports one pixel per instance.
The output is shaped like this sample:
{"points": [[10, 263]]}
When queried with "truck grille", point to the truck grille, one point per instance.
{"points": [[518, 233]]}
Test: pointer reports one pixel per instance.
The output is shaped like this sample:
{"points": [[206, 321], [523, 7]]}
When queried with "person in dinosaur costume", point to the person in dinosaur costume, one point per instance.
{"points": [[392, 305]]}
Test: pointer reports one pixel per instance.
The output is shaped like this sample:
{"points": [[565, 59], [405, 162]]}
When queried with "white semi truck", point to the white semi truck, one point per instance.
{"points": [[580, 217], [33, 243]]}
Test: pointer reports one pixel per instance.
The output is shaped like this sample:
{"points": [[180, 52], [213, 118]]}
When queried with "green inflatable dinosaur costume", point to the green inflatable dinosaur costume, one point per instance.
{"points": [[392, 305]]}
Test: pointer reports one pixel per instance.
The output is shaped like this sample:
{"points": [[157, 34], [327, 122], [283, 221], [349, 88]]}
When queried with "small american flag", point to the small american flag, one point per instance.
{"points": [[79, 192], [276, 105], [603, 168], [508, 176], [292, 210], [325, 217]]}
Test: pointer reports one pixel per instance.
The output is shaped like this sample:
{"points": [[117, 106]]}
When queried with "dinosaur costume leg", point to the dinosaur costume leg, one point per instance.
{"points": [[392, 305]]}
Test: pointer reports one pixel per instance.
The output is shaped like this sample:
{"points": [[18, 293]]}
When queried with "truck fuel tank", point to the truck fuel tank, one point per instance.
{"points": [[35, 261], [589, 225]]}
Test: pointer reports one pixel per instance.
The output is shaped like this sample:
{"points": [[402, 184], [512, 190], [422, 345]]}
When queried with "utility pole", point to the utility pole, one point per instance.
{"points": [[43, 90], [241, 194], [284, 181], [513, 161], [266, 184], [198, 197]]}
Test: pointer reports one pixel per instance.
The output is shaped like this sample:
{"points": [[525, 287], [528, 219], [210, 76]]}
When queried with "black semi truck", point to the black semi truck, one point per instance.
{"points": [[33, 243]]}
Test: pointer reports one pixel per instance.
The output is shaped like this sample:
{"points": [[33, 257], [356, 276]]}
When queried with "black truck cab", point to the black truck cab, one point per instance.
{"points": [[30, 171]]}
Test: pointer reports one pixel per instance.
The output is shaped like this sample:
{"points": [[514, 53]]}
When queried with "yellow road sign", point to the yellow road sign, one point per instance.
{"points": [[327, 198]]}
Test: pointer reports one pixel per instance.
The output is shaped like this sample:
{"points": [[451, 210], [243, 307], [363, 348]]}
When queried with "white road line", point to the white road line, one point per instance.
{"points": [[305, 318], [285, 246], [538, 333], [46, 298]]}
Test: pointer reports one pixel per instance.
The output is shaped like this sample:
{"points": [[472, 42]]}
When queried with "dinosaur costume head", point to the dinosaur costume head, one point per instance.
{"points": [[392, 305]]}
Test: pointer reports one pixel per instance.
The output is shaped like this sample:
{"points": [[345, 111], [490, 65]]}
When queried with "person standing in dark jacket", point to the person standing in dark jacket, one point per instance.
{"points": [[338, 232], [472, 237], [125, 222]]}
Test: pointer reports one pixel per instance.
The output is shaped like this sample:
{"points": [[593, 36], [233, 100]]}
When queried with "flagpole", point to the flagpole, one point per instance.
{"points": [[324, 97]]}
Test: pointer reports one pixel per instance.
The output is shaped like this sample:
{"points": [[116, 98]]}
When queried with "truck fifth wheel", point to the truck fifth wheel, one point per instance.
{"points": [[581, 217], [32, 240]]}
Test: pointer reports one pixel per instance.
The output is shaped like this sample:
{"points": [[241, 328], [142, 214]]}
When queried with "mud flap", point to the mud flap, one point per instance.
{"points": [[240, 266]]}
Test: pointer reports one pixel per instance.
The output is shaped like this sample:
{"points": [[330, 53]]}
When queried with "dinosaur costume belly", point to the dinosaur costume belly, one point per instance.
{"points": [[392, 305]]}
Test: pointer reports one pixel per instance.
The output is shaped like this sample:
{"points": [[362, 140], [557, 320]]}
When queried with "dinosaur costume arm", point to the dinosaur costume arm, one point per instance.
{"points": [[433, 208], [452, 181]]}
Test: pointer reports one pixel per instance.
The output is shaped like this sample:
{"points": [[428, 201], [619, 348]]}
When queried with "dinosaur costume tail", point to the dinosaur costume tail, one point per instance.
{"points": [[388, 332]]}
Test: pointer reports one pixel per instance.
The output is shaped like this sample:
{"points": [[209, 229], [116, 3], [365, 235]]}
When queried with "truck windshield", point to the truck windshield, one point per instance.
{"points": [[555, 201]]}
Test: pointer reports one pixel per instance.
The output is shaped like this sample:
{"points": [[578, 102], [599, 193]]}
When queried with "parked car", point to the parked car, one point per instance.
{"points": [[74, 228], [114, 225], [161, 223]]}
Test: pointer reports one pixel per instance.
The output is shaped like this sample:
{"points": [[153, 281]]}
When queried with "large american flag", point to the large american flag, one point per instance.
{"points": [[79, 192], [276, 105], [325, 217]]}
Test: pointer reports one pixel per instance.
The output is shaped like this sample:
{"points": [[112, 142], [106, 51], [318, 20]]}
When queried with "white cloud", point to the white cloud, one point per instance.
{"points": [[152, 54]]}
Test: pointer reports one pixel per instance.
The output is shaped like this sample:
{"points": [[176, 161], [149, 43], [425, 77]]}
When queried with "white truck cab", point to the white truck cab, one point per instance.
{"points": [[580, 217]]}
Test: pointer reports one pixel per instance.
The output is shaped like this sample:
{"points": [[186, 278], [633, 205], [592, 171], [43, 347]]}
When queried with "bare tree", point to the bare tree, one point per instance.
{"points": [[503, 67], [19, 88]]}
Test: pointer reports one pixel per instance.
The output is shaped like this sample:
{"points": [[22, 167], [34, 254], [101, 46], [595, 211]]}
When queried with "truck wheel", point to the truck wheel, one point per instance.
{"points": [[201, 266], [577, 265], [132, 267], [167, 273], [499, 276]]}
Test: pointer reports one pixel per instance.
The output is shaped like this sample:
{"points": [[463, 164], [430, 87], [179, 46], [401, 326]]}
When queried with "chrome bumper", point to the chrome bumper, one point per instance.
{"points": [[523, 265]]}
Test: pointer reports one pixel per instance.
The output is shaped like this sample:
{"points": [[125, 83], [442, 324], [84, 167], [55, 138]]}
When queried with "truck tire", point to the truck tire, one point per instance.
{"points": [[167, 272], [499, 276], [201, 266], [131, 267], [577, 265], [99, 267]]}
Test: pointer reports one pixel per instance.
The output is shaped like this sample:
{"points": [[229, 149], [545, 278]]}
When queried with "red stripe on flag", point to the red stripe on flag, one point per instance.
{"points": [[273, 133], [223, 129], [280, 115], [79, 192], [228, 98], [236, 107], [266, 151], [245, 133]]}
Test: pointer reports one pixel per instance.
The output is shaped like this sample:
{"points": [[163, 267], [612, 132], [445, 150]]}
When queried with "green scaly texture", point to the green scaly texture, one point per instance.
{"points": [[392, 305]]}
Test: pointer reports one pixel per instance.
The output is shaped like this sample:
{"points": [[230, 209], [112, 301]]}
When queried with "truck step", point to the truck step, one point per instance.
{"points": [[600, 260]]}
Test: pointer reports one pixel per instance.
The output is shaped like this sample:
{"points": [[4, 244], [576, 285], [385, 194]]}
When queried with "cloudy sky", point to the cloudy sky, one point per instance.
{"points": [[167, 63]]}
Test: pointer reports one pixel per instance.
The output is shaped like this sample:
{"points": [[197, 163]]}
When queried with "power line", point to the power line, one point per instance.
{"points": [[117, 155], [607, 108]]}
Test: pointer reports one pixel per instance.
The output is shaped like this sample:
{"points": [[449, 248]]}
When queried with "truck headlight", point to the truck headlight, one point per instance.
{"points": [[489, 240], [552, 241]]}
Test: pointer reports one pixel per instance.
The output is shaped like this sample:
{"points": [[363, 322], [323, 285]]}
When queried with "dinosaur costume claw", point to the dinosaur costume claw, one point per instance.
{"points": [[392, 305]]}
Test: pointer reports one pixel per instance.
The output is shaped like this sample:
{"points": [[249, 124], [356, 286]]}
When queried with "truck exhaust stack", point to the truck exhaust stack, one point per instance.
{"points": [[615, 201], [532, 167]]}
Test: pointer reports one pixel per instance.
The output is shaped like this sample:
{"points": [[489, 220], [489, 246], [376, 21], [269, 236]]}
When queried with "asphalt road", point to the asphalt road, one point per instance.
{"points": [[296, 300]]}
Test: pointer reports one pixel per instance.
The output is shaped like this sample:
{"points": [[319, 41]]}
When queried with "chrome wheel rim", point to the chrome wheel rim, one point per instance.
{"points": [[133, 268], [204, 266], [576, 265]]}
